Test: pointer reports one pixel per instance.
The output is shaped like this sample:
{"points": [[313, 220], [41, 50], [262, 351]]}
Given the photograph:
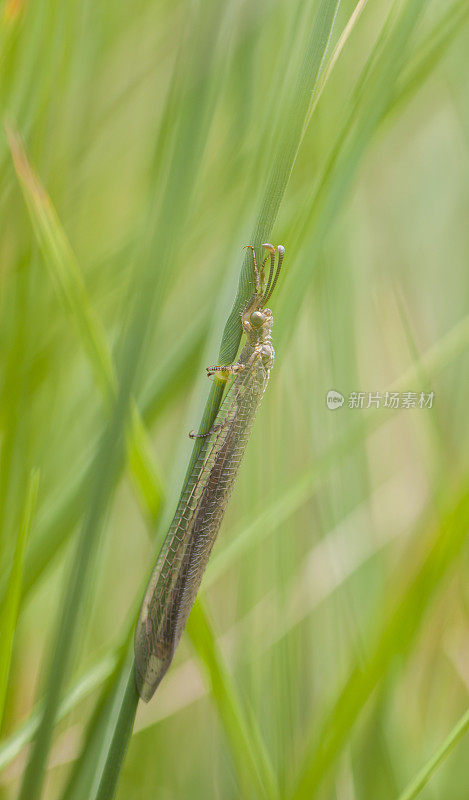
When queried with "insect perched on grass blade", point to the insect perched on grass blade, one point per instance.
{"points": [[181, 563]]}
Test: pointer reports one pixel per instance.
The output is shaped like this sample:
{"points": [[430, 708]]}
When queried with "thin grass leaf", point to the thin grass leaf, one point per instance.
{"points": [[334, 57], [254, 767], [60, 516], [87, 771], [372, 96], [118, 724], [91, 680], [424, 775], [105, 741], [435, 46], [397, 634], [10, 606], [62, 264], [295, 117], [384, 60], [107, 457], [387, 85], [68, 282]]}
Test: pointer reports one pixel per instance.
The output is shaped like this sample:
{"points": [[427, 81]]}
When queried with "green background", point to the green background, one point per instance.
{"points": [[328, 657]]}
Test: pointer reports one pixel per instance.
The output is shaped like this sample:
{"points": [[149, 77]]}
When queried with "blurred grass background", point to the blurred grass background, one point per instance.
{"points": [[329, 657]]}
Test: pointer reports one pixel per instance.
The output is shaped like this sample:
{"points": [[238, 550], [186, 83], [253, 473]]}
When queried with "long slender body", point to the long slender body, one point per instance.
{"points": [[181, 563]]}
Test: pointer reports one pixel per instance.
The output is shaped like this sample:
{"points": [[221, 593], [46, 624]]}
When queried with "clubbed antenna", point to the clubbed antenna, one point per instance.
{"points": [[262, 276], [271, 283], [271, 255], [256, 270]]}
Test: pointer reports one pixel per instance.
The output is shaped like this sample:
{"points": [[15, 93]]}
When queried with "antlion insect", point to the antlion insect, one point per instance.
{"points": [[181, 563]]}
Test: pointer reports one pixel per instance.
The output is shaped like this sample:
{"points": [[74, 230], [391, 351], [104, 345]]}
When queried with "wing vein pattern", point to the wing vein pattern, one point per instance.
{"points": [[178, 572]]}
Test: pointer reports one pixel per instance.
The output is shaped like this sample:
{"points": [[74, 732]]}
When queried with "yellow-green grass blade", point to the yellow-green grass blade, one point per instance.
{"points": [[10, 606], [87, 773], [103, 483], [418, 783], [118, 723], [334, 57], [62, 265], [254, 767], [372, 97], [435, 45], [57, 520], [92, 679], [397, 633], [383, 88], [294, 120], [68, 282]]}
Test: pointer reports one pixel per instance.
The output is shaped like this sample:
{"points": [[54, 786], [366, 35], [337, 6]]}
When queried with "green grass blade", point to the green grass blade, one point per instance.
{"points": [[430, 52], [295, 118], [67, 279], [334, 57], [372, 97], [119, 724], [146, 479], [256, 775], [397, 633], [82, 688], [10, 606], [62, 265], [87, 772], [56, 522], [423, 776], [103, 483], [103, 762], [383, 88]]}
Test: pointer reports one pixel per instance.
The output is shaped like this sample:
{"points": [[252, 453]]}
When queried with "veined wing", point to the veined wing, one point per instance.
{"points": [[180, 566]]}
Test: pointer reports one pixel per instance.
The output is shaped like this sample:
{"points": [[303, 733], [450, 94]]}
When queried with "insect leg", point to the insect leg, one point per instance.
{"points": [[217, 427], [213, 429], [231, 369]]}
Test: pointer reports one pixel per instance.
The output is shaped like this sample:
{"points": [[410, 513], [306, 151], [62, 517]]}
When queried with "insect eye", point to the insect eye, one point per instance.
{"points": [[257, 319]]}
